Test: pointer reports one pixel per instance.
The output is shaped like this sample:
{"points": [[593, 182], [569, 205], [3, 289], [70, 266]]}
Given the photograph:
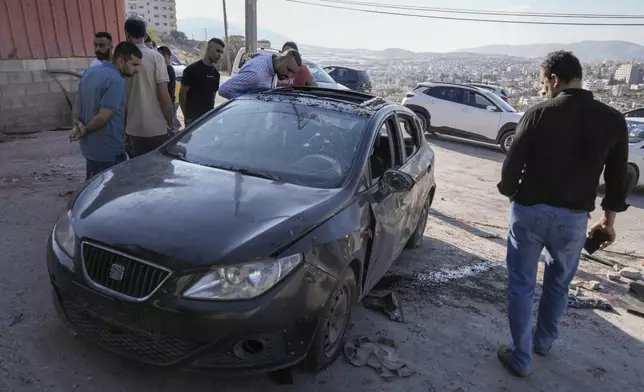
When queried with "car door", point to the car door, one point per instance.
{"points": [[478, 116], [417, 164], [442, 104], [386, 210]]}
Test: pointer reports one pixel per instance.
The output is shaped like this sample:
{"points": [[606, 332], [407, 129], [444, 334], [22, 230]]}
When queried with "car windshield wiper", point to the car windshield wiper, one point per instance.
{"points": [[248, 172]]}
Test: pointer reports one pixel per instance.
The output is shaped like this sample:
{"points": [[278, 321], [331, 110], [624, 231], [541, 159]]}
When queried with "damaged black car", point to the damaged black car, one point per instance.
{"points": [[244, 243]]}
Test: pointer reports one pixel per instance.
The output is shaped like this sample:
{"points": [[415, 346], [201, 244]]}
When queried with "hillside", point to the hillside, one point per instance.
{"points": [[585, 50]]}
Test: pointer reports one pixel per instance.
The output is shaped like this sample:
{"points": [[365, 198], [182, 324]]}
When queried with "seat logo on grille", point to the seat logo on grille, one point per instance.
{"points": [[117, 271]]}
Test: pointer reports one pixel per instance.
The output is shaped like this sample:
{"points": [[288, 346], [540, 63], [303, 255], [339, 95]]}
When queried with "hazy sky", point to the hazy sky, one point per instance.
{"points": [[350, 29]]}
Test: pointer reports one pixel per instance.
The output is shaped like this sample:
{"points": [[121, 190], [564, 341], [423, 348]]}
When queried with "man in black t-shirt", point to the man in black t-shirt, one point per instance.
{"points": [[172, 84], [200, 83]]}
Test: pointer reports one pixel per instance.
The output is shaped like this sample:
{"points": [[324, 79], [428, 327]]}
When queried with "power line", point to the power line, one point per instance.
{"points": [[469, 19], [483, 12]]}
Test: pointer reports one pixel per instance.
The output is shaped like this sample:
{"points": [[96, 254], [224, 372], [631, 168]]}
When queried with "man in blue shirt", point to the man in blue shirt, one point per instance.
{"points": [[259, 74], [100, 121]]}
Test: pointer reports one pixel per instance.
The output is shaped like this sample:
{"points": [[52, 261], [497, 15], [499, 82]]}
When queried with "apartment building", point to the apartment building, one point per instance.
{"points": [[629, 73], [160, 14]]}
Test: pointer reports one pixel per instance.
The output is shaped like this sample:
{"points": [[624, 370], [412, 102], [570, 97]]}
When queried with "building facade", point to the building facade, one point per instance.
{"points": [[38, 38], [629, 74], [160, 14]]}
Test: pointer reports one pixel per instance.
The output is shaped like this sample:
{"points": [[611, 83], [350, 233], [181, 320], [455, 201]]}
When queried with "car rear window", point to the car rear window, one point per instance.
{"points": [[304, 144], [318, 73], [363, 77]]}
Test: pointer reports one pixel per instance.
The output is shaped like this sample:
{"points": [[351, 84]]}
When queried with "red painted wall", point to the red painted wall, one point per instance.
{"points": [[39, 29]]}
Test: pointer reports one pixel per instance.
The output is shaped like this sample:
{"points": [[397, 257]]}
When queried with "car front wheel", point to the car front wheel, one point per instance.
{"points": [[330, 338], [506, 141]]}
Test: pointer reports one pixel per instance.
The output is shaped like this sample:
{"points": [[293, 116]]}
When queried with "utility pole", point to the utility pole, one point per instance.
{"points": [[227, 50], [251, 26]]}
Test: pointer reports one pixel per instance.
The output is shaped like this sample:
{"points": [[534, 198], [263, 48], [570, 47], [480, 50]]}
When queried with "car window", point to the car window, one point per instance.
{"points": [[384, 154], [174, 60], [635, 113], [318, 73], [410, 135], [635, 131], [363, 77], [301, 144], [499, 102], [451, 94], [476, 100]]}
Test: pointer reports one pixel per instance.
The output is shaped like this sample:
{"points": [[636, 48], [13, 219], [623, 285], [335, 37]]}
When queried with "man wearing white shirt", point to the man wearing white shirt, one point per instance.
{"points": [[102, 48]]}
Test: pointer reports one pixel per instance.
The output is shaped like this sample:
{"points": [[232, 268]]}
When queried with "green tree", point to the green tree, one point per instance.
{"points": [[178, 35], [154, 35]]}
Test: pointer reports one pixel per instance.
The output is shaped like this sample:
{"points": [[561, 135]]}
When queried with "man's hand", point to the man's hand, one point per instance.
{"points": [[77, 131], [606, 227]]}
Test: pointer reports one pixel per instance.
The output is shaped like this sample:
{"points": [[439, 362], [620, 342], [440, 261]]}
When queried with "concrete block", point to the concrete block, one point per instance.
{"points": [[78, 63], [22, 77], [41, 76], [11, 103], [4, 78], [61, 63], [11, 66], [34, 65], [37, 88], [13, 90]]}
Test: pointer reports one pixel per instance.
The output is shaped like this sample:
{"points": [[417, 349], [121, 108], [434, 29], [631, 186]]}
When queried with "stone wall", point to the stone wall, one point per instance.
{"points": [[30, 99]]}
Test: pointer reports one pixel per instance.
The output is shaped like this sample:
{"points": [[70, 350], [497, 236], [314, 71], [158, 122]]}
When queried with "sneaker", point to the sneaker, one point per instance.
{"points": [[505, 356]]}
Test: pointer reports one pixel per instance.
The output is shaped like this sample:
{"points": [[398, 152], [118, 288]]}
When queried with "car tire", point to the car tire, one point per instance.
{"points": [[324, 349], [506, 141], [416, 239], [424, 122], [633, 177]]}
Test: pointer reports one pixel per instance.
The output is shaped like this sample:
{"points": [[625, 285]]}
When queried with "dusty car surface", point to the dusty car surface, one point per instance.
{"points": [[244, 242]]}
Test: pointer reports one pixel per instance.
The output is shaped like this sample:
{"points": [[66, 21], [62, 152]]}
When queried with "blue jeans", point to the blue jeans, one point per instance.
{"points": [[92, 168], [562, 233]]}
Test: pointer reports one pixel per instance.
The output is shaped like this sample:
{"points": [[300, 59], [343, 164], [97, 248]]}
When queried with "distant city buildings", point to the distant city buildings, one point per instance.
{"points": [[160, 14], [629, 74]]}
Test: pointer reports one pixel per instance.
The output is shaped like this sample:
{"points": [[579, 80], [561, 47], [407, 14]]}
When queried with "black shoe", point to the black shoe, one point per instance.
{"points": [[505, 356]]}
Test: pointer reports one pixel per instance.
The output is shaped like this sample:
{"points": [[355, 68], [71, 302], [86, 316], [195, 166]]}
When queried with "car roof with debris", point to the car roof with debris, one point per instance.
{"points": [[350, 102]]}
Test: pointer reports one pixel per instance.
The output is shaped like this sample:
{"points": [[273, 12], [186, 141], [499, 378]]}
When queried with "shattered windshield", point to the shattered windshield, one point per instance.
{"points": [[297, 143], [635, 131]]}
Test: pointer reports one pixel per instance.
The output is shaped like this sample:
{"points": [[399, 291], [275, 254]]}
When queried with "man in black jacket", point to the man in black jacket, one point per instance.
{"points": [[551, 175]]}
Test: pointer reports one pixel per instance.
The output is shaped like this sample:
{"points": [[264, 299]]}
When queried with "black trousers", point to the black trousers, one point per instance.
{"points": [[143, 145]]}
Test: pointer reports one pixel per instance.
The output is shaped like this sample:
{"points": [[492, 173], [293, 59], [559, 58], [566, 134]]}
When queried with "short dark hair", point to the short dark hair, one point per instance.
{"points": [[290, 44], [126, 50], [103, 34], [564, 64], [147, 39], [135, 27], [295, 54], [217, 41], [165, 51]]}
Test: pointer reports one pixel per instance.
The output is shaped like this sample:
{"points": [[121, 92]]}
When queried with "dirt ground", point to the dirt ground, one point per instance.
{"points": [[452, 290]]}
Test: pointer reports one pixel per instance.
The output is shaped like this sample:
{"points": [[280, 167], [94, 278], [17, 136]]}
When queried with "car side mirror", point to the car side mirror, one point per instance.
{"points": [[395, 181], [491, 108]]}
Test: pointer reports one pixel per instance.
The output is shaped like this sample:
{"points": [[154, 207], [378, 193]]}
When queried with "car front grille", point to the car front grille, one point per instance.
{"points": [[111, 270], [145, 346]]}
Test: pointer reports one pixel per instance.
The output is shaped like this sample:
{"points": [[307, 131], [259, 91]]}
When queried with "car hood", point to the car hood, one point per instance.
{"points": [[183, 216]]}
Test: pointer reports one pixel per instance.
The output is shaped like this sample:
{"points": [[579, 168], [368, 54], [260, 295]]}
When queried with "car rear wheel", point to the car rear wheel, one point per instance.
{"points": [[506, 141], [330, 337], [633, 177], [416, 239]]}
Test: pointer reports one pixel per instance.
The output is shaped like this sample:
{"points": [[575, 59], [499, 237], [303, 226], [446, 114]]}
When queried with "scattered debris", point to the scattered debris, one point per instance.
{"points": [[637, 288], [617, 267], [377, 353], [66, 193], [614, 276], [591, 285], [581, 302], [597, 372], [384, 302], [599, 260], [576, 284], [635, 312], [631, 273], [446, 275]]}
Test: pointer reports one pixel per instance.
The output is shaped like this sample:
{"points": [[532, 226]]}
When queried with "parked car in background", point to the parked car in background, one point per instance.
{"points": [[498, 90], [321, 77], [355, 79], [178, 67], [635, 152], [464, 111], [639, 112], [286, 222]]}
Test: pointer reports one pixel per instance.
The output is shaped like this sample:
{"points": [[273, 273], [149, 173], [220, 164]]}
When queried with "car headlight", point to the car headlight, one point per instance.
{"points": [[64, 235], [243, 281]]}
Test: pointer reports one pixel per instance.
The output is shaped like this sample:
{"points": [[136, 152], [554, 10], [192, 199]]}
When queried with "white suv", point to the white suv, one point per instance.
{"points": [[464, 111]]}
